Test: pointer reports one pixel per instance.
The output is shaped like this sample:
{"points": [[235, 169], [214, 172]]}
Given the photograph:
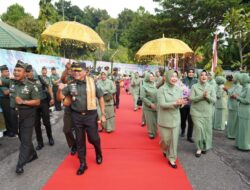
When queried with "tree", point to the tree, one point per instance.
{"points": [[142, 28], [92, 16], [192, 21], [30, 26], [69, 12], [14, 14], [237, 24], [47, 15], [125, 19], [107, 29]]}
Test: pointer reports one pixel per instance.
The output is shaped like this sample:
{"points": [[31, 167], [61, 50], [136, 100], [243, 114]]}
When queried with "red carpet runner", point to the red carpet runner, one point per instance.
{"points": [[131, 161]]}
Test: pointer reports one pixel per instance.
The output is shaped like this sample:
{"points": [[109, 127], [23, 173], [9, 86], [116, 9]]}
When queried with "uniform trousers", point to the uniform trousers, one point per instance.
{"points": [[68, 127], [86, 124], [26, 121], [117, 95], [5, 105], [58, 106], [43, 112]]}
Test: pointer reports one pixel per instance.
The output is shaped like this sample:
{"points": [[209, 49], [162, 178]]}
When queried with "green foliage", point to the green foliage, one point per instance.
{"points": [[237, 24], [192, 21], [70, 13], [14, 14], [29, 25], [92, 16], [107, 29]]}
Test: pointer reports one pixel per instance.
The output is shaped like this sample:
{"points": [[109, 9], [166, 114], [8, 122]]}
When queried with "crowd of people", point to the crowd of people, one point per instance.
{"points": [[170, 103]]}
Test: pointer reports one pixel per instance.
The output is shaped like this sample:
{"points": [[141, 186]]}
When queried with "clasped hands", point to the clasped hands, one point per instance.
{"points": [[181, 102]]}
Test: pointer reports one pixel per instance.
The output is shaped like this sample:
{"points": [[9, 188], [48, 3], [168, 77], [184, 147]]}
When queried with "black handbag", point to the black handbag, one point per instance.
{"points": [[139, 101]]}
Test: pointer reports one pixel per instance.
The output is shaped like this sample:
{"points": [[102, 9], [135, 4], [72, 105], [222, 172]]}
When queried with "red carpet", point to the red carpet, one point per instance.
{"points": [[131, 161]]}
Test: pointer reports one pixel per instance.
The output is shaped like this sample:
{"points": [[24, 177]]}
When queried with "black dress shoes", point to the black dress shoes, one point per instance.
{"points": [[164, 155], [98, 159], [190, 140], [82, 169], [151, 136], [39, 146], [51, 141], [172, 165], [203, 152], [34, 157], [19, 170], [73, 150]]}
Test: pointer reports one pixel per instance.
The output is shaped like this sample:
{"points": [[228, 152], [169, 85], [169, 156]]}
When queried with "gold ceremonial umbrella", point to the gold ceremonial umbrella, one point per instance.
{"points": [[159, 49], [74, 31]]}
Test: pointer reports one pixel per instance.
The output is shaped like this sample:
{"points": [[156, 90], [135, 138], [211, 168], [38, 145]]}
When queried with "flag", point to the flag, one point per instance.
{"points": [[215, 56]]}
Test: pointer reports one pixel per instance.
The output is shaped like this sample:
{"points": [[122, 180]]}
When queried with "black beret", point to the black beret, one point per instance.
{"points": [[4, 67], [21, 64]]}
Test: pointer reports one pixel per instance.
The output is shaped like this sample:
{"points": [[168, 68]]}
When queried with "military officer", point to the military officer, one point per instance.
{"points": [[117, 78], [67, 78], [5, 103], [169, 100], [42, 111], [83, 93], [108, 89], [55, 79], [24, 98]]}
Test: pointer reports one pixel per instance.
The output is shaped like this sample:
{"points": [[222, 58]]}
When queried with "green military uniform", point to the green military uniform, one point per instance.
{"points": [[26, 90], [135, 88], [243, 131], [53, 79], [67, 123], [220, 104], [149, 97], [108, 89], [5, 105], [233, 106], [84, 120], [42, 111], [169, 117], [201, 112]]}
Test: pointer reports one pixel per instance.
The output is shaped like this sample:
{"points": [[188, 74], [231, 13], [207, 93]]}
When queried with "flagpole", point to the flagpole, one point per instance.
{"points": [[215, 54]]}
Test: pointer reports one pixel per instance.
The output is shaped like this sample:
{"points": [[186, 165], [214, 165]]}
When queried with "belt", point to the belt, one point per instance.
{"points": [[85, 112]]}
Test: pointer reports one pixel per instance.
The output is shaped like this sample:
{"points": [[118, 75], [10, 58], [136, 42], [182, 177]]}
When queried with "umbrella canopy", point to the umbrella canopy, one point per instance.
{"points": [[11, 38], [73, 31], [161, 47]]}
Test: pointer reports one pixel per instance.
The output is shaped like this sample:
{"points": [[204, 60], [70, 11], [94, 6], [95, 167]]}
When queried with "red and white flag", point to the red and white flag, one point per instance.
{"points": [[215, 56]]}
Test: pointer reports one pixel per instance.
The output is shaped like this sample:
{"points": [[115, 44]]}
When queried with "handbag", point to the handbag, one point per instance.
{"points": [[139, 101]]}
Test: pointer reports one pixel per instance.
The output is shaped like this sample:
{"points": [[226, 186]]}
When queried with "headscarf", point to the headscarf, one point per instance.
{"points": [[220, 80], [236, 78], [168, 75], [244, 79]]}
